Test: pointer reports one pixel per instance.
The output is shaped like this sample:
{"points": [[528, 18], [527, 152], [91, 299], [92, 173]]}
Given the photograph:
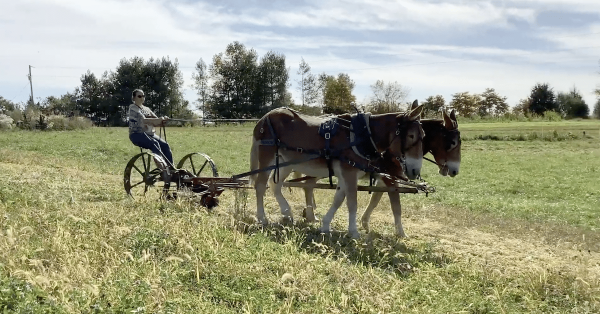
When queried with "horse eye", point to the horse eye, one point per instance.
{"points": [[453, 143]]}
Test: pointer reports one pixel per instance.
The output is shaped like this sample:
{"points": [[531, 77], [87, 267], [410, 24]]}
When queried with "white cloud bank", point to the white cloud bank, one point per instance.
{"points": [[64, 38]]}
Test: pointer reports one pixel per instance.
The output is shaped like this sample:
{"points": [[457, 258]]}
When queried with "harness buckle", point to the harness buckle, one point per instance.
{"points": [[299, 150], [327, 135], [397, 132]]}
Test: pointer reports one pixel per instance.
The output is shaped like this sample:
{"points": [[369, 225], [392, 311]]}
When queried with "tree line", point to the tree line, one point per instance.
{"points": [[238, 84]]}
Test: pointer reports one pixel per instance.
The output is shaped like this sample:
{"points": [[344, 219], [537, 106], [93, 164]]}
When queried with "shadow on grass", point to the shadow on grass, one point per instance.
{"points": [[373, 250]]}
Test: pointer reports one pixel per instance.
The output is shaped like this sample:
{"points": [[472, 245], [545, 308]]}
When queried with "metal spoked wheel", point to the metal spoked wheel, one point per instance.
{"points": [[140, 177], [200, 164]]}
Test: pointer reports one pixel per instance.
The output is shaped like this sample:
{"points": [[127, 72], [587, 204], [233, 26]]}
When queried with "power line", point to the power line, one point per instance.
{"points": [[19, 93]]}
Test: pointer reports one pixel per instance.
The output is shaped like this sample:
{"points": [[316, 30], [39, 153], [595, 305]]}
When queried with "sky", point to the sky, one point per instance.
{"points": [[429, 47]]}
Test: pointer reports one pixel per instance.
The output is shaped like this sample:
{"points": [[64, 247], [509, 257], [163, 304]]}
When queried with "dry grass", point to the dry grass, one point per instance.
{"points": [[70, 241]]}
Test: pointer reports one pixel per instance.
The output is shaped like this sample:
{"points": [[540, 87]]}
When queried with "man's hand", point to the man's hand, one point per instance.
{"points": [[164, 120]]}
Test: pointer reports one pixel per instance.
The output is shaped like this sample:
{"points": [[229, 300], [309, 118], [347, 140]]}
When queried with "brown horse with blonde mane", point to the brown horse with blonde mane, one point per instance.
{"points": [[442, 140], [290, 141]]}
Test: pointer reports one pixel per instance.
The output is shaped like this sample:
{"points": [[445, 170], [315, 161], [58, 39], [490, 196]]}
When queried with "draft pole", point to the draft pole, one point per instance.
{"points": [[31, 86]]}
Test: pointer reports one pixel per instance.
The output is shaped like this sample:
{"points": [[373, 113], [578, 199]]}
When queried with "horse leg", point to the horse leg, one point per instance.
{"points": [[351, 185], [309, 195], [283, 204], [260, 186], [397, 211], [338, 198], [375, 198], [261, 157]]}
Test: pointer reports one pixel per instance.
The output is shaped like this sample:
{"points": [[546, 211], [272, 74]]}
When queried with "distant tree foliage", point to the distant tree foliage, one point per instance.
{"points": [[433, 105], [201, 85], [597, 109], [387, 97], [338, 96], [492, 103], [273, 82], [542, 99], [572, 105], [105, 99], [244, 88], [307, 85], [522, 107], [7, 105], [465, 104], [64, 105]]}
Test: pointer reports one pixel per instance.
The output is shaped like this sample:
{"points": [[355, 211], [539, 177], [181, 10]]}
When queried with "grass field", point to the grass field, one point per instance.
{"points": [[517, 231]]}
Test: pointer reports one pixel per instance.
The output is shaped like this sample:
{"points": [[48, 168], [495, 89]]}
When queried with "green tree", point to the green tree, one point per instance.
{"points": [[92, 97], [7, 105], [387, 97], [466, 104], [272, 83], [338, 96], [322, 80], [522, 107], [596, 113], [572, 105], [433, 105], [307, 84], [63, 105], [200, 84], [542, 99], [234, 74], [160, 79], [492, 103]]}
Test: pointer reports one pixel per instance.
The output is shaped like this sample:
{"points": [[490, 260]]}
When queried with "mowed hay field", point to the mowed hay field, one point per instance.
{"points": [[517, 231]]}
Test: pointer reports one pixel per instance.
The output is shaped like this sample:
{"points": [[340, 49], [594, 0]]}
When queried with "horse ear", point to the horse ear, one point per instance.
{"points": [[415, 114], [448, 123], [414, 105], [453, 115]]}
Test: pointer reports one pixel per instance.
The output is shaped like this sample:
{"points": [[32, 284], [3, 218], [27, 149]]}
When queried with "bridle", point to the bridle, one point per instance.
{"points": [[448, 136], [401, 130]]}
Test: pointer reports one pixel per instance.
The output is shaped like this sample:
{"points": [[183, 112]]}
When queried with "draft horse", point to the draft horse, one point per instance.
{"points": [[288, 140], [442, 140]]}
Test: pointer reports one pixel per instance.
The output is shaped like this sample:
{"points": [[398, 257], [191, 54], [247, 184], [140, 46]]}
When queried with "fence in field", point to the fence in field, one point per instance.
{"points": [[214, 122]]}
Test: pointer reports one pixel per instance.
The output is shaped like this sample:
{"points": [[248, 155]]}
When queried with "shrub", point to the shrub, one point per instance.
{"points": [[552, 116], [62, 123], [6, 122]]}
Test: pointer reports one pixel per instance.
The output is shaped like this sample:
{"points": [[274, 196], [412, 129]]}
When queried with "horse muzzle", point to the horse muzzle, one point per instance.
{"points": [[413, 168], [453, 168]]}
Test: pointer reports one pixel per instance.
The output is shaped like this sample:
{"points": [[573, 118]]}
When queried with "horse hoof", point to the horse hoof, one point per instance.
{"points": [[309, 218], [286, 220], [313, 220], [354, 235], [263, 221], [365, 225]]}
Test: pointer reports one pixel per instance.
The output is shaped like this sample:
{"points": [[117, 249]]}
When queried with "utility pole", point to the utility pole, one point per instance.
{"points": [[31, 86]]}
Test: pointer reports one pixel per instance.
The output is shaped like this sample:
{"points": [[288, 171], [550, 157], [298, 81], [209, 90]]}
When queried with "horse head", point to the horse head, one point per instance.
{"points": [[407, 142], [444, 144]]}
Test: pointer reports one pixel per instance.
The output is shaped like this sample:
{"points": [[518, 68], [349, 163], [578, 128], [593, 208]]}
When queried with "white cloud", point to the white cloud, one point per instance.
{"points": [[64, 38]]}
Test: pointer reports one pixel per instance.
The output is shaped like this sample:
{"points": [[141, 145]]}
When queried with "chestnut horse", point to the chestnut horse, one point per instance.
{"points": [[442, 140], [294, 138]]}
